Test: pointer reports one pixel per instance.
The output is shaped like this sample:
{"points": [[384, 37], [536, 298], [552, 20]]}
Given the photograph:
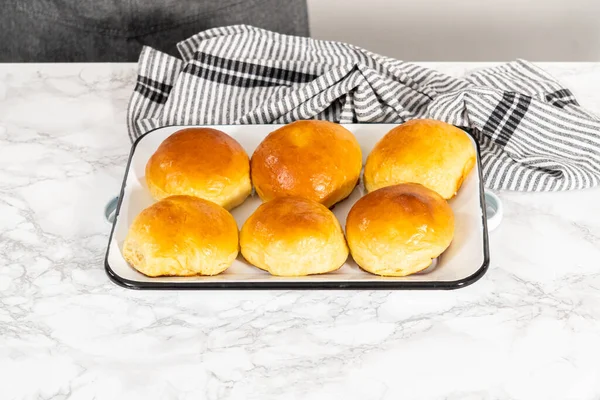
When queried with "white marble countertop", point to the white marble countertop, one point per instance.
{"points": [[529, 329]]}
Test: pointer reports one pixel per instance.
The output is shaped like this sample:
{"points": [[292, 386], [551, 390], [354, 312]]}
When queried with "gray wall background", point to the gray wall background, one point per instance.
{"points": [[463, 30]]}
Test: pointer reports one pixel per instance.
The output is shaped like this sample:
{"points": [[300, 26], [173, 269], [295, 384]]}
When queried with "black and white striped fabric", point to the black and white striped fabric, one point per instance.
{"points": [[533, 134]]}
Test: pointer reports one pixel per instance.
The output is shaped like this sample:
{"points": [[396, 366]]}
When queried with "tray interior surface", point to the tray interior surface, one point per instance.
{"points": [[465, 258]]}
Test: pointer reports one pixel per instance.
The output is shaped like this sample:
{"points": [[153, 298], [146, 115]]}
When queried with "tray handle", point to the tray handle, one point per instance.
{"points": [[493, 210], [110, 209]]}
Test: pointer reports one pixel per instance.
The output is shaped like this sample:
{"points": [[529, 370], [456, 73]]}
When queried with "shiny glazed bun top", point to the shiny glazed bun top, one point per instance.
{"points": [[201, 162], [182, 236], [293, 236], [398, 230], [433, 153], [317, 160]]}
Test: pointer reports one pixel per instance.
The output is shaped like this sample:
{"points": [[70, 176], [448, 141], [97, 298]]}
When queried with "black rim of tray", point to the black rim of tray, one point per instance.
{"points": [[291, 285]]}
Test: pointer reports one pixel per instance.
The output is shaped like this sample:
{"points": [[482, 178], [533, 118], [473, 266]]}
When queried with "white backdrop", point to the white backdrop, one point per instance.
{"points": [[464, 30]]}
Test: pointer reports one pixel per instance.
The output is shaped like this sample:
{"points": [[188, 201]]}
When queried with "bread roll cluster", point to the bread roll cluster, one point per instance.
{"points": [[299, 171]]}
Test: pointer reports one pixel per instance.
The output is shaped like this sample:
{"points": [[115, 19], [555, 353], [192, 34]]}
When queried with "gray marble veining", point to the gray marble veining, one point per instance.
{"points": [[528, 329]]}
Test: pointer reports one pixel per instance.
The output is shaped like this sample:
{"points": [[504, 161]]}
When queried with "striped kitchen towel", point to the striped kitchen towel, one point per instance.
{"points": [[533, 134]]}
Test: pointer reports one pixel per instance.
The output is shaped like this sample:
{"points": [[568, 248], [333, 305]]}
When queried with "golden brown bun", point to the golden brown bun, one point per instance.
{"points": [[398, 230], [182, 236], [317, 160], [432, 153], [201, 162], [293, 236]]}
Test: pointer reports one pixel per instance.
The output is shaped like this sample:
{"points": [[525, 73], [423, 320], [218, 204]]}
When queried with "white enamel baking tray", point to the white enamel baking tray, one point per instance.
{"points": [[465, 261]]}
